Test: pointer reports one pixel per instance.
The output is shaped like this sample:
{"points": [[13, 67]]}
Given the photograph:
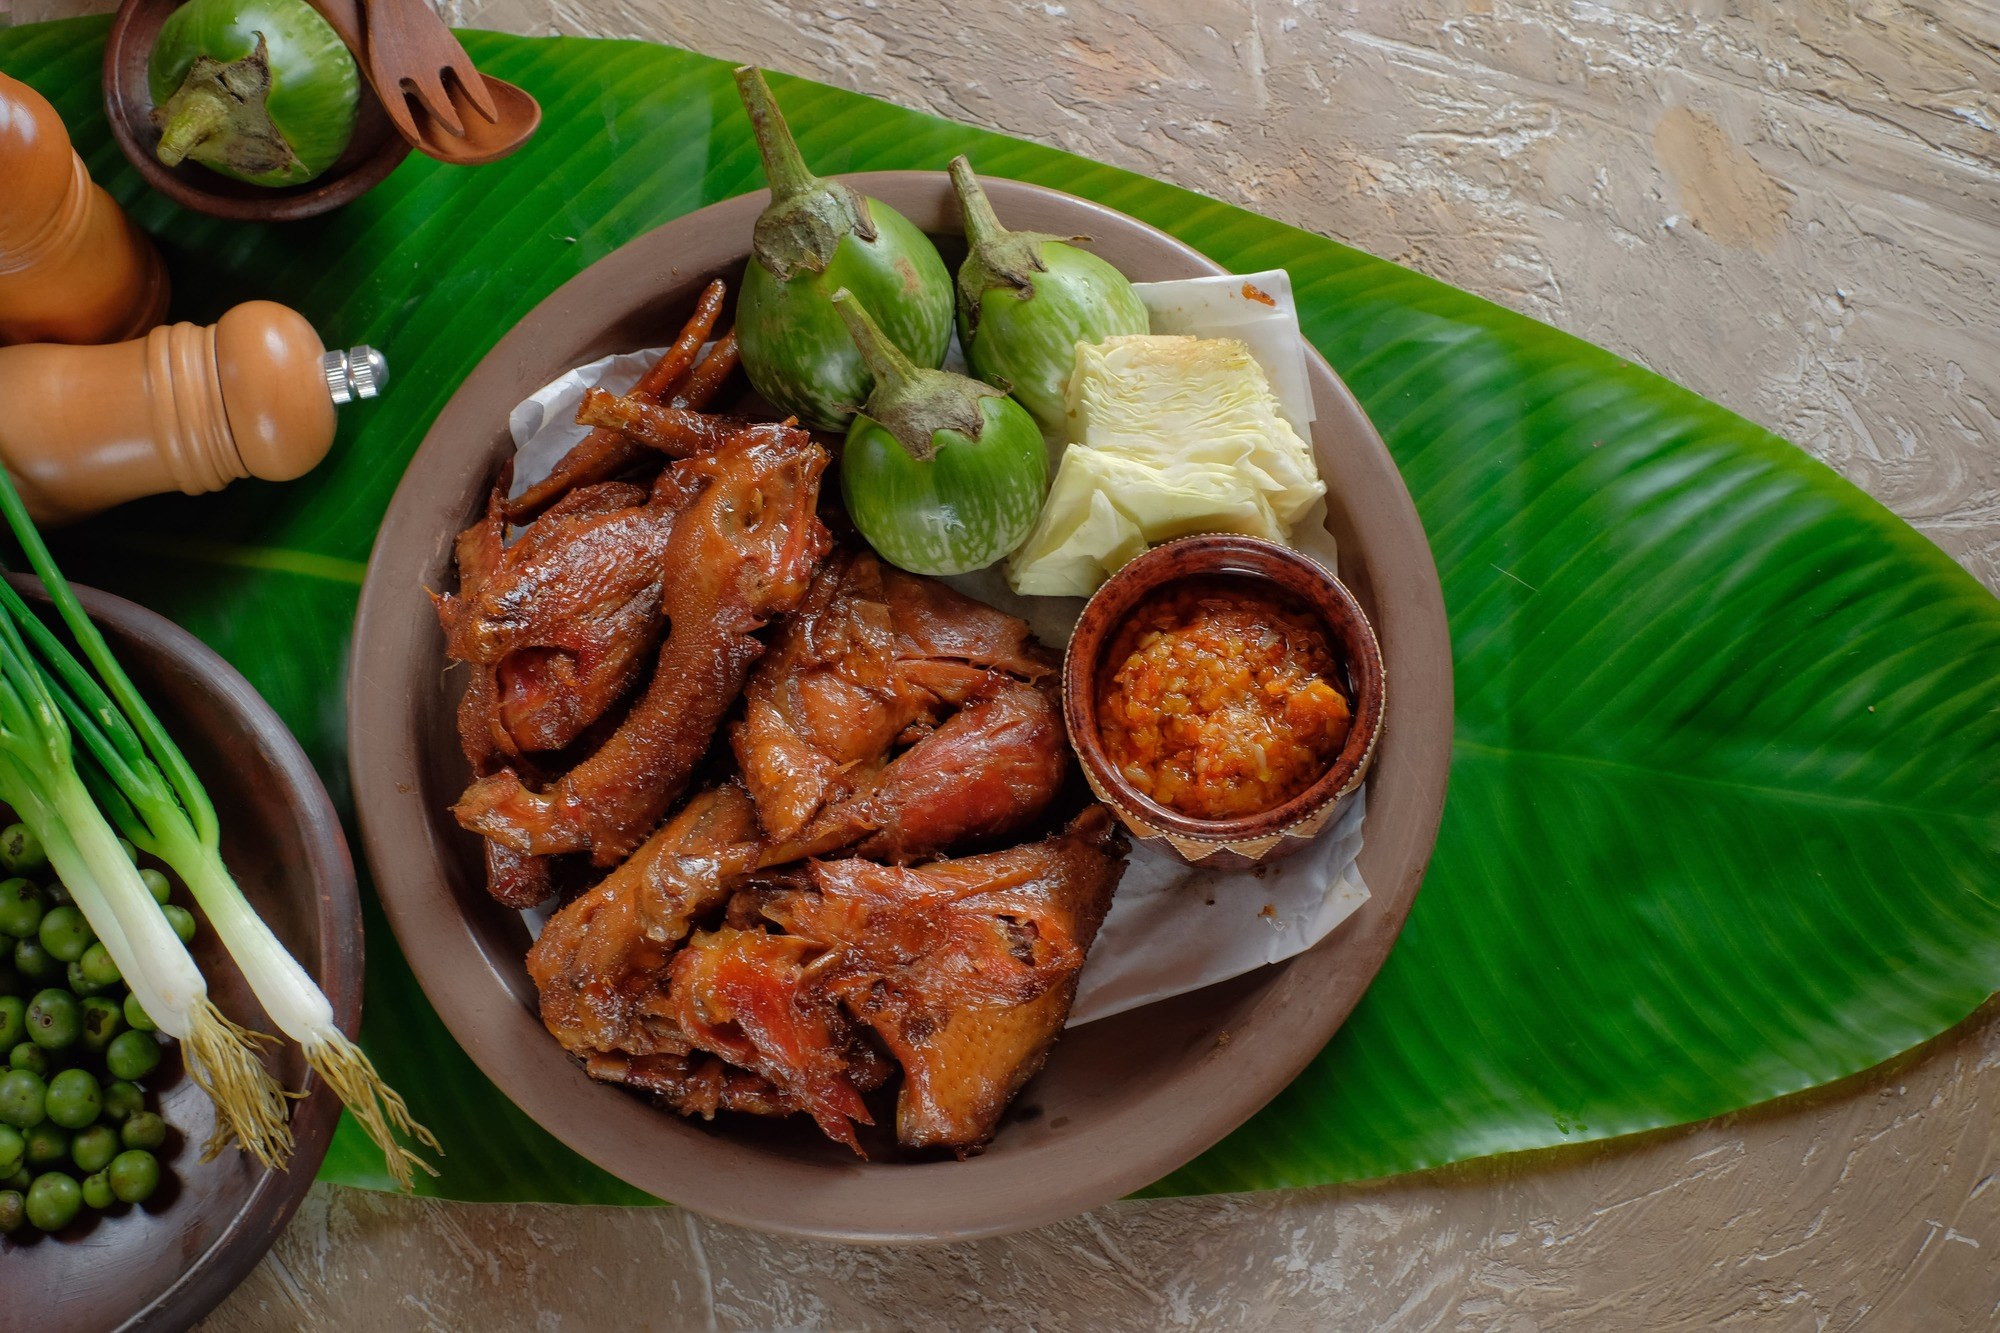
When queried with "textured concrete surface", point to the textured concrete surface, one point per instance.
{"points": [[1793, 208]]}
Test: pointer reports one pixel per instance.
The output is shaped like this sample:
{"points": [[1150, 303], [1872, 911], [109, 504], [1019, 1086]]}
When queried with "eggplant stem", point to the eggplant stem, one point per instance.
{"points": [[784, 166], [199, 114], [982, 224], [883, 358]]}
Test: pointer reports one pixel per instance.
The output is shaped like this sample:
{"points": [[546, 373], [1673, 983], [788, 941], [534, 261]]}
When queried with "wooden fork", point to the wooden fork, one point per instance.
{"points": [[413, 57]]}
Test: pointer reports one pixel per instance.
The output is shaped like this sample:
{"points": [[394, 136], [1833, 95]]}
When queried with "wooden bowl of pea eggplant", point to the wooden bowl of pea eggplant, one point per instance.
{"points": [[166, 1261]]}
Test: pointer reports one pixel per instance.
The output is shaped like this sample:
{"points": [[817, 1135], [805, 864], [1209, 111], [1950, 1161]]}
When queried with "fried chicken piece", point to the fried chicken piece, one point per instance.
{"points": [[752, 998], [674, 431], [512, 878], [614, 991], [600, 964], [569, 615], [966, 969], [477, 553], [604, 454], [744, 543], [877, 658], [990, 769]]}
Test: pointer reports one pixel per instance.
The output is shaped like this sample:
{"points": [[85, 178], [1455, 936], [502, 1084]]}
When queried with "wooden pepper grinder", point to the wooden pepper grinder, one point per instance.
{"points": [[186, 408], [73, 268]]}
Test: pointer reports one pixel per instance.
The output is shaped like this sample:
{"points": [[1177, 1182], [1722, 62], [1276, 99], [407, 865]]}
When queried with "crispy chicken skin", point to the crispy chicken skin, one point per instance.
{"points": [[693, 1084], [744, 543], [876, 659]]}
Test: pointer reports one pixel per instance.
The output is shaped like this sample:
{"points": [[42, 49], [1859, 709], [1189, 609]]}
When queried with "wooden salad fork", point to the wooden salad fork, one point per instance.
{"points": [[484, 118], [413, 53]]}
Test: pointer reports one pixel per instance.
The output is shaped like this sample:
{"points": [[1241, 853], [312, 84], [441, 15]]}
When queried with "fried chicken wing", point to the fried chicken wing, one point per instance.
{"points": [[990, 769], [744, 542], [965, 968], [878, 658]]}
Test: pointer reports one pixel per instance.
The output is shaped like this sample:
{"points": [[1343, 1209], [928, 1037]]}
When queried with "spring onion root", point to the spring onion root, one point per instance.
{"points": [[250, 1105], [375, 1106], [296, 1005]]}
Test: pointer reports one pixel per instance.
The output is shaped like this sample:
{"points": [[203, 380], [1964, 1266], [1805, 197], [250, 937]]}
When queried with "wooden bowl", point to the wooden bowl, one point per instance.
{"points": [[165, 1263], [1227, 844], [371, 155], [1122, 1101]]}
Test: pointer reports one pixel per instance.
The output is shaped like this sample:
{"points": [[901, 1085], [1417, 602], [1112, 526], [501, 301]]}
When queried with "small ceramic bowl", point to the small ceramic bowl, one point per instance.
{"points": [[371, 155], [1226, 844]]}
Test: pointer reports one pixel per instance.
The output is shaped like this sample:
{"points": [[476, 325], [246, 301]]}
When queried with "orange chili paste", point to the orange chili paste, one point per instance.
{"points": [[1219, 700]]}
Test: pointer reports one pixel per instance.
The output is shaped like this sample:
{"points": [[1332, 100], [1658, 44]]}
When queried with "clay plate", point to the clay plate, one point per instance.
{"points": [[374, 151], [1227, 844], [165, 1263], [1123, 1101]]}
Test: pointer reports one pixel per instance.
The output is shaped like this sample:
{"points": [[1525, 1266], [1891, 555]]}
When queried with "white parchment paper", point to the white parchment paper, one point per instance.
{"points": [[1172, 928]]}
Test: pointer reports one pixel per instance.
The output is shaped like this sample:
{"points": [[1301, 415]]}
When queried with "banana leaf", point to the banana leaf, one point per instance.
{"points": [[1724, 817]]}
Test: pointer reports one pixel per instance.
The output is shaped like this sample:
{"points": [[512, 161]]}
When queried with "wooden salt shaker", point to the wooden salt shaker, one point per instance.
{"points": [[73, 268], [186, 408]]}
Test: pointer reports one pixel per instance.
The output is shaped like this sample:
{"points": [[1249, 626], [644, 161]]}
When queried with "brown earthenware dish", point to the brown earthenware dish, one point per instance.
{"points": [[1122, 1101], [371, 155], [1231, 844], [165, 1263]]}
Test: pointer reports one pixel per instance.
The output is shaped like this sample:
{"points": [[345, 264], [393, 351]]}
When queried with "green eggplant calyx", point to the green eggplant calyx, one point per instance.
{"points": [[808, 217], [912, 402], [219, 115], [995, 257]]}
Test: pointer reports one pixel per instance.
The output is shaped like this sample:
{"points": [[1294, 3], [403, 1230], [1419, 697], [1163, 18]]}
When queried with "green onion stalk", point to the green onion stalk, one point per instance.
{"points": [[146, 787], [39, 778]]}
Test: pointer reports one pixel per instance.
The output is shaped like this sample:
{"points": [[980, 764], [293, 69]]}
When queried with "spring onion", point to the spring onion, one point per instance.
{"points": [[39, 778], [145, 786]]}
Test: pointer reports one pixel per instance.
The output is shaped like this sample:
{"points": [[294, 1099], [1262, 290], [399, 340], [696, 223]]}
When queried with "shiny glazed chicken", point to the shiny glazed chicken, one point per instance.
{"points": [[837, 908], [900, 716]]}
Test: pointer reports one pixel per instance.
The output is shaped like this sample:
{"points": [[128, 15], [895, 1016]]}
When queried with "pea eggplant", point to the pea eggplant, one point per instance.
{"points": [[816, 238], [1026, 299], [942, 474], [261, 91]]}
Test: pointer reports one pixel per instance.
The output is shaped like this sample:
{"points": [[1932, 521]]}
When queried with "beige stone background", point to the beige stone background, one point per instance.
{"points": [[1793, 208]]}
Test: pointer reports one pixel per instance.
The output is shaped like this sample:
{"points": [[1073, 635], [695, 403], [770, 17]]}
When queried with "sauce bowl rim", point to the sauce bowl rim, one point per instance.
{"points": [[1215, 555]]}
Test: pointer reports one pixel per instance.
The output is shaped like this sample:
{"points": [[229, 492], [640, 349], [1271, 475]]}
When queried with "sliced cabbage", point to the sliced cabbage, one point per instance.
{"points": [[1172, 436]]}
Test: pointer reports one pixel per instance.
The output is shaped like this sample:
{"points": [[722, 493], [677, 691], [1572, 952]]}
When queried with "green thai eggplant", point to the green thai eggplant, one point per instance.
{"points": [[942, 474], [1026, 299], [817, 237], [261, 91]]}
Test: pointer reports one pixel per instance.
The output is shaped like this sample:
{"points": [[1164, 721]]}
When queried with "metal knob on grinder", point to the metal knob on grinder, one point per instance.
{"points": [[358, 372]]}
